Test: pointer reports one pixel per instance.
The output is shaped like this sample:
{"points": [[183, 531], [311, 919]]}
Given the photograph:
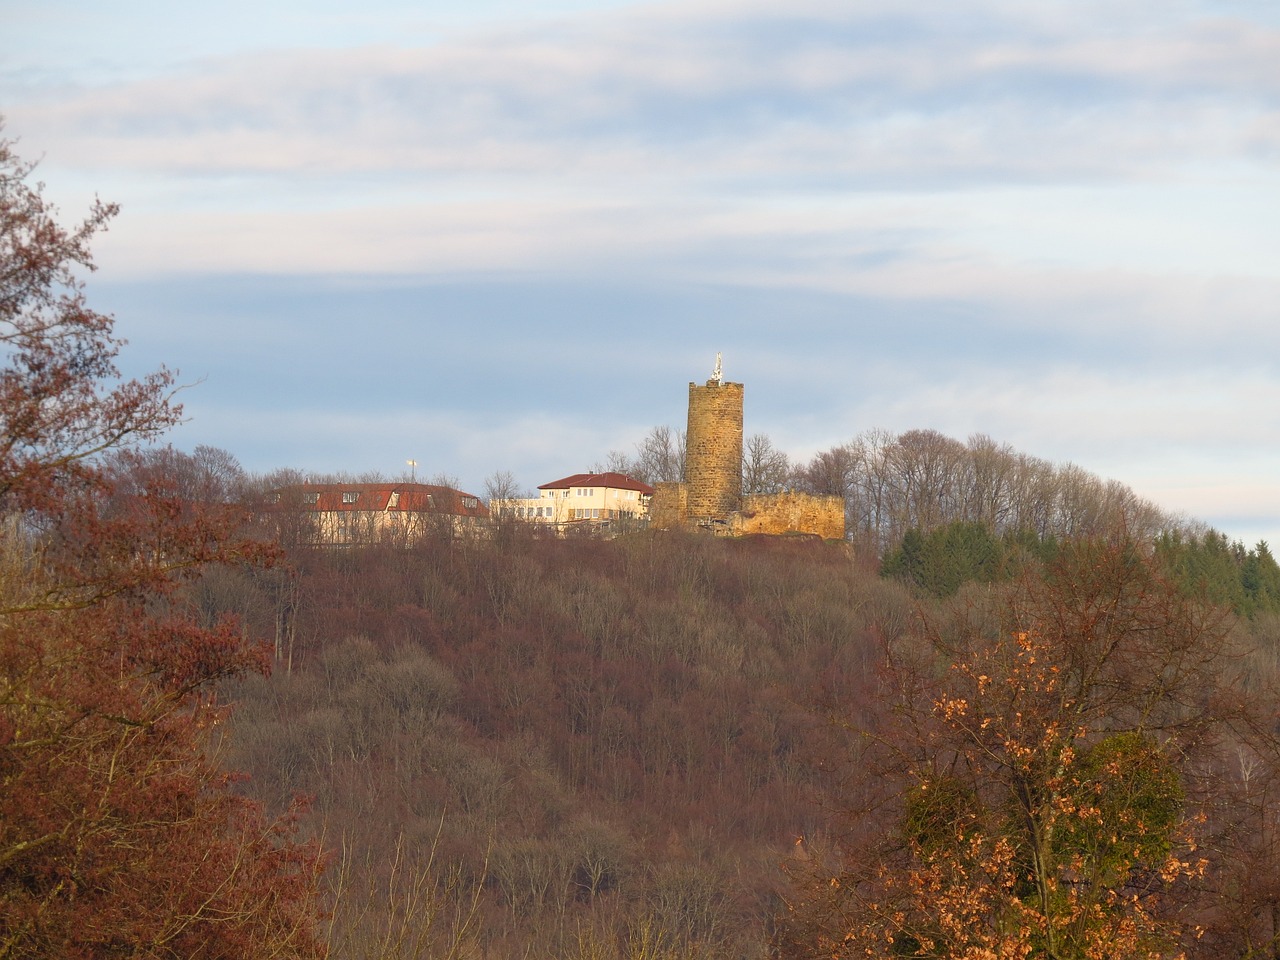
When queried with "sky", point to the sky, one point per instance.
{"points": [[504, 236]]}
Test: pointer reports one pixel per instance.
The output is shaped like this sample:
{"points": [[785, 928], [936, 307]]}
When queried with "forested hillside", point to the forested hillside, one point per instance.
{"points": [[605, 740], [602, 748]]}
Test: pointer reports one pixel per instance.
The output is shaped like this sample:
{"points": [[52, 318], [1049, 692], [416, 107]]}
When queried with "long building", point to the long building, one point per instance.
{"points": [[341, 514]]}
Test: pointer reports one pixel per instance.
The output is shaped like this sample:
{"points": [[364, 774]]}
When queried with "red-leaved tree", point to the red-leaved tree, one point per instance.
{"points": [[119, 833], [1053, 779]]}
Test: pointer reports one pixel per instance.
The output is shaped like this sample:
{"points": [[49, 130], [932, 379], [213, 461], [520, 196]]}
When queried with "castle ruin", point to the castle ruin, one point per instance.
{"points": [[710, 498]]}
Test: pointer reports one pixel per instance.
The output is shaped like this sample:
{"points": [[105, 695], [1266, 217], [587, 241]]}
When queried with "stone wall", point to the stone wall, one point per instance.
{"points": [[669, 507], [711, 498], [713, 450], [791, 512]]}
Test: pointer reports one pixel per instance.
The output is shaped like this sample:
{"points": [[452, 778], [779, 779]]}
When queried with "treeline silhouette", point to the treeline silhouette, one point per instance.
{"points": [[922, 480]]}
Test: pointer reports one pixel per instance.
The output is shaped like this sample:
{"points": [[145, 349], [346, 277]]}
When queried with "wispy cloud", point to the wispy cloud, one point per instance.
{"points": [[929, 94]]}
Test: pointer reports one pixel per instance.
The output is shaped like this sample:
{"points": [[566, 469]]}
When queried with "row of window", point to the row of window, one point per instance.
{"points": [[547, 513], [591, 492], [353, 496]]}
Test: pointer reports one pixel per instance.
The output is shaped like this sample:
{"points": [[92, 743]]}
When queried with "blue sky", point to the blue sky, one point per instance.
{"points": [[505, 236]]}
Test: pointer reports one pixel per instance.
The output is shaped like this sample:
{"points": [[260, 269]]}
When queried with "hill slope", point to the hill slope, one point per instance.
{"points": [[607, 736]]}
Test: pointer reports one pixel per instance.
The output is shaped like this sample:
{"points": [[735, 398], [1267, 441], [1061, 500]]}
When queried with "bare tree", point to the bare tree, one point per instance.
{"points": [[765, 469], [988, 480], [660, 456], [500, 488], [925, 467], [830, 471], [616, 461]]}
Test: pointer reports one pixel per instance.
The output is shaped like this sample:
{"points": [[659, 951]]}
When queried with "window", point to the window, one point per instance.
{"points": [[470, 503], [311, 498], [595, 513], [350, 496]]}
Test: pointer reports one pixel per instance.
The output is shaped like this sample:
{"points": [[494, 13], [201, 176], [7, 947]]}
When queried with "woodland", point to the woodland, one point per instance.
{"points": [[1018, 713]]}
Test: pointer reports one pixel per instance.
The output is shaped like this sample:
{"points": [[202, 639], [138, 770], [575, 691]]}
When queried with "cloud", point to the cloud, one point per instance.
{"points": [[864, 95], [910, 250]]}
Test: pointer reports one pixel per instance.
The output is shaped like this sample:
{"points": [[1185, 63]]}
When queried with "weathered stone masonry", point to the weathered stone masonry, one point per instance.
{"points": [[790, 512], [711, 496], [713, 451]]}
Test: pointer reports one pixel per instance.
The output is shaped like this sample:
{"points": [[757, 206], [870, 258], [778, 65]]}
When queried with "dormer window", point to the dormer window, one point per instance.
{"points": [[350, 496], [311, 498]]}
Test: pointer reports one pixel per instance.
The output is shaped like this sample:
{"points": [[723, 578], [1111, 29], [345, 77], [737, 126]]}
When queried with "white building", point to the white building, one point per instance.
{"points": [[583, 497]]}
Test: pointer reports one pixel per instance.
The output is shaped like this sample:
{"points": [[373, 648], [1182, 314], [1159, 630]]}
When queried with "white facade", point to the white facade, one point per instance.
{"points": [[585, 496]]}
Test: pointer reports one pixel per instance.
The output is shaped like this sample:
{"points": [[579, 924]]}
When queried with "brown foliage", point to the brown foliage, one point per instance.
{"points": [[1048, 781], [620, 736], [119, 834]]}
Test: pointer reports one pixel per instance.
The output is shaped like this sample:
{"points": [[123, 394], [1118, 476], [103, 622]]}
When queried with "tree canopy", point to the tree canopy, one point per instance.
{"points": [[119, 833], [1051, 777]]}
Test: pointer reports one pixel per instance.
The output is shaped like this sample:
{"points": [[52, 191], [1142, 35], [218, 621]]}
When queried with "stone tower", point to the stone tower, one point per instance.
{"points": [[713, 449]]}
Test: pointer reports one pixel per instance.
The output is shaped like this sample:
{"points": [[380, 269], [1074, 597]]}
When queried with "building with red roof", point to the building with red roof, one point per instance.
{"points": [[583, 498], [341, 514]]}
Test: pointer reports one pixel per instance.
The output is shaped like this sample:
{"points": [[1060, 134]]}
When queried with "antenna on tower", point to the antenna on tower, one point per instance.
{"points": [[716, 376], [413, 470]]}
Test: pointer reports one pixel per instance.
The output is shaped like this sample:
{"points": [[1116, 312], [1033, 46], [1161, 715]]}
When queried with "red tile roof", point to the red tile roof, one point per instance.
{"points": [[613, 481], [381, 497]]}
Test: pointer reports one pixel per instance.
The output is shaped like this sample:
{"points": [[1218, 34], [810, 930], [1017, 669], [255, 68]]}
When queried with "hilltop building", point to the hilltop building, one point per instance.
{"points": [[586, 498], [710, 498], [342, 514]]}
